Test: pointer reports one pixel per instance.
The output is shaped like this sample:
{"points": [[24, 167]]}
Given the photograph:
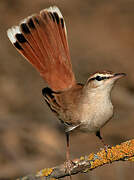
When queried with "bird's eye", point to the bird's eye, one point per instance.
{"points": [[99, 78]]}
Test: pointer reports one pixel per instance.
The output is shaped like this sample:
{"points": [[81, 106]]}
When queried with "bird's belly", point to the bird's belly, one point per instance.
{"points": [[94, 120]]}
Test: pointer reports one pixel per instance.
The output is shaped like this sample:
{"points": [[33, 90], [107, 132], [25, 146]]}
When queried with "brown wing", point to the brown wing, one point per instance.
{"points": [[42, 40], [65, 105]]}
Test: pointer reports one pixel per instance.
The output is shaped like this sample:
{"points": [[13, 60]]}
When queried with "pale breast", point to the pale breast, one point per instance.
{"points": [[96, 114]]}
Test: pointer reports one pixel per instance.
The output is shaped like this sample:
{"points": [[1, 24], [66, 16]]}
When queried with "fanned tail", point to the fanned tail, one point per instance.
{"points": [[42, 40]]}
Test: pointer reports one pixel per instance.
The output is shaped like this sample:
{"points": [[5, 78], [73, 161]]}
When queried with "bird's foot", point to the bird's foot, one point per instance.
{"points": [[106, 147], [69, 164]]}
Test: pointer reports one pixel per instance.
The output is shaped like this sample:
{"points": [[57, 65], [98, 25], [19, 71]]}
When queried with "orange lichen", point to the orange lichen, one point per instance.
{"points": [[125, 151], [131, 159], [96, 163], [91, 156], [112, 154], [82, 158], [44, 172]]}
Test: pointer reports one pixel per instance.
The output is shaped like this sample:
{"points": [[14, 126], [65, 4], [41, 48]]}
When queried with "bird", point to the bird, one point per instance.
{"points": [[42, 40]]}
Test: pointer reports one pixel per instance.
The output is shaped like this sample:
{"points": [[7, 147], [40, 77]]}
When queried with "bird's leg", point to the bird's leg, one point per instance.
{"points": [[68, 164], [106, 146], [68, 147]]}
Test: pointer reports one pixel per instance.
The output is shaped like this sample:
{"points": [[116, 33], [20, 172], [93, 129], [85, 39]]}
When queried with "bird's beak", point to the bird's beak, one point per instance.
{"points": [[118, 75]]}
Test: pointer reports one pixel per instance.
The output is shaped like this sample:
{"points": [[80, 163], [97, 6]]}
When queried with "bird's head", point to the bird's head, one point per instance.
{"points": [[103, 80]]}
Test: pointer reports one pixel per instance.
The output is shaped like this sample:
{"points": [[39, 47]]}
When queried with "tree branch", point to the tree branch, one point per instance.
{"points": [[122, 152]]}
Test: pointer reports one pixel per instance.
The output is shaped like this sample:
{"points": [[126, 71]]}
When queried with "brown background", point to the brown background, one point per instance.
{"points": [[101, 37]]}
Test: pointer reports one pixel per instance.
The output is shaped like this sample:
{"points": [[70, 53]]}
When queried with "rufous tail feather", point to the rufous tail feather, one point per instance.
{"points": [[42, 40]]}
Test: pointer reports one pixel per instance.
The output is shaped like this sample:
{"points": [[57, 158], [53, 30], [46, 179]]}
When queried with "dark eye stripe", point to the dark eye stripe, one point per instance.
{"points": [[99, 78]]}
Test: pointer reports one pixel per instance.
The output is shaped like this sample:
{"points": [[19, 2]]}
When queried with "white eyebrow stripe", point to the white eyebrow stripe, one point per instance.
{"points": [[103, 75]]}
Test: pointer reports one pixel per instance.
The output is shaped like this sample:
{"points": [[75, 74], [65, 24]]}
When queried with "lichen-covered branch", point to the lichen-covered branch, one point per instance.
{"points": [[123, 152]]}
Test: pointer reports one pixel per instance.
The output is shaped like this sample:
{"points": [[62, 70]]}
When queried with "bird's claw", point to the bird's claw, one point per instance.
{"points": [[69, 164]]}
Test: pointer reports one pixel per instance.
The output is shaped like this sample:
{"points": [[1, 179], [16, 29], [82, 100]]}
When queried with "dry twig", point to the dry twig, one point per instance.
{"points": [[122, 152]]}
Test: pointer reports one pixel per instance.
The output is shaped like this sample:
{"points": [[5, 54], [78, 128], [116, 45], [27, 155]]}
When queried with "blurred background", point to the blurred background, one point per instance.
{"points": [[101, 37]]}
